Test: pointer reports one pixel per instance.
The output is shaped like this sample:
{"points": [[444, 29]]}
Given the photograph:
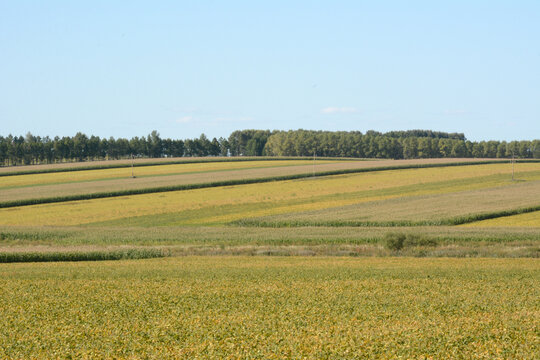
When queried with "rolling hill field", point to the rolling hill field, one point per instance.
{"points": [[271, 259]]}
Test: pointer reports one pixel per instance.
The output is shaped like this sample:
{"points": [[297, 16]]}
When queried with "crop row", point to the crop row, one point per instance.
{"points": [[97, 255], [218, 237]]}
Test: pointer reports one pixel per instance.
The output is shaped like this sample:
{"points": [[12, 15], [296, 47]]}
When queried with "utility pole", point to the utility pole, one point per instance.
{"points": [[314, 155], [513, 161], [132, 175]]}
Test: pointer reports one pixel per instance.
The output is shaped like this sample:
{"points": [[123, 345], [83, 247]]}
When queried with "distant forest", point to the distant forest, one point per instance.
{"points": [[412, 144]]}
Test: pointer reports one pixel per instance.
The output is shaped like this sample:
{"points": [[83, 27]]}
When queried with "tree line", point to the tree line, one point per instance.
{"points": [[30, 149]]}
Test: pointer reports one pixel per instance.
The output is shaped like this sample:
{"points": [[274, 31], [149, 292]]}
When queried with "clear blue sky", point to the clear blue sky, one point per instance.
{"points": [[124, 68]]}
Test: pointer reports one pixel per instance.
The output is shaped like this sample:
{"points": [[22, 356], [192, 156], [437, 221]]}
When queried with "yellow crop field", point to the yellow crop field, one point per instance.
{"points": [[143, 171], [522, 220], [268, 198], [271, 307]]}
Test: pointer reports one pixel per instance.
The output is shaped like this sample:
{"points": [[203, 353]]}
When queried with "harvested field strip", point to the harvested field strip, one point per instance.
{"points": [[265, 194], [79, 192], [531, 219], [458, 220], [272, 307], [150, 171], [96, 255], [114, 164], [431, 204]]}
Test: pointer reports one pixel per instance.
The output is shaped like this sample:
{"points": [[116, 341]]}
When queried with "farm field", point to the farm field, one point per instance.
{"points": [[104, 164], [531, 219], [142, 162], [350, 213], [338, 214], [222, 205], [452, 241], [438, 262], [272, 307], [117, 179], [72, 183], [16, 181], [84, 164], [422, 206]]}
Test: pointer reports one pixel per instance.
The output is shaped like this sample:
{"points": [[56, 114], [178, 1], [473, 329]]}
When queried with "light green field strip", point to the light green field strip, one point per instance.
{"points": [[9, 182], [268, 198], [219, 237], [272, 307], [522, 220]]}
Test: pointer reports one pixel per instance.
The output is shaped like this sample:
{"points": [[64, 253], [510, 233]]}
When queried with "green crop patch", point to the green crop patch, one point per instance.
{"points": [[49, 256]]}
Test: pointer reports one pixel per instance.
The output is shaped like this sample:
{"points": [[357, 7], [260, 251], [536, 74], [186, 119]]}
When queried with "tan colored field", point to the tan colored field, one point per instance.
{"points": [[70, 165], [224, 204], [202, 176], [16, 181], [83, 164], [429, 207]]}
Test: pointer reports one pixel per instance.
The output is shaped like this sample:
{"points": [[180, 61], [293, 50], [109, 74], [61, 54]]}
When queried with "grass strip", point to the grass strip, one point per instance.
{"points": [[458, 220], [11, 257], [100, 195], [175, 162], [28, 238]]}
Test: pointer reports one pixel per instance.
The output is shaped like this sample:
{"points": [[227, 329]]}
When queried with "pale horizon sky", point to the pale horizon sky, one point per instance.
{"points": [[183, 68]]}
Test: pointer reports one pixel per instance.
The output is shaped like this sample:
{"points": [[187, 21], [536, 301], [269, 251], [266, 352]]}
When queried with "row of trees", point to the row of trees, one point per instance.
{"points": [[30, 149], [18, 150], [378, 145]]}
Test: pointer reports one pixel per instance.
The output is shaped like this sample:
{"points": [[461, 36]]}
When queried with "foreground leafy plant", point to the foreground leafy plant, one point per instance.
{"points": [[397, 241]]}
